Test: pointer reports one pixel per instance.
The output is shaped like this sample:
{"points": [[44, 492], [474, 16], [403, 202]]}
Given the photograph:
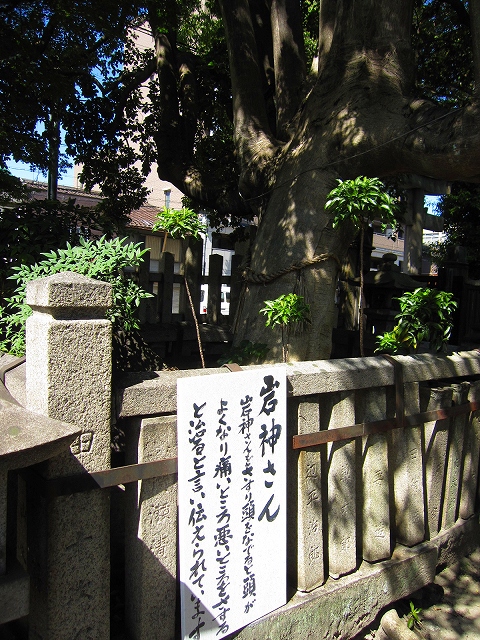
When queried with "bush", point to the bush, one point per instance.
{"points": [[102, 259], [426, 315]]}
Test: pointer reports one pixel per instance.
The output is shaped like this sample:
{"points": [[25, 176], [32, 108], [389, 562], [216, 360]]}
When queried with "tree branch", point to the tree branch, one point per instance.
{"points": [[188, 99], [460, 10], [290, 63], [253, 137], [327, 21], [225, 199], [437, 143], [261, 20]]}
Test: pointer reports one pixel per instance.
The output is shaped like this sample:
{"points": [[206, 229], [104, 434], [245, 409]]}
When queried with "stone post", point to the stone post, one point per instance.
{"points": [[69, 346], [472, 454], [453, 478], [338, 410], [310, 570], [375, 506], [151, 533], [436, 452], [412, 262], [408, 469], [214, 288]]}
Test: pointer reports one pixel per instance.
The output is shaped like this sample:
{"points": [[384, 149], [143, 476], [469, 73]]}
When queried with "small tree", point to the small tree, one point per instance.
{"points": [[426, 315], [360, 201], [286, 310], [181, 223]]}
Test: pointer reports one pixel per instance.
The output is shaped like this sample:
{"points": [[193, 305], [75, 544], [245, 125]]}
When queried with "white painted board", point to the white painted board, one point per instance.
{"points": [[232, 499]]}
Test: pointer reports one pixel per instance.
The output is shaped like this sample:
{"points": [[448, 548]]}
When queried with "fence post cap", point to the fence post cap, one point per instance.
{"points": [[67, 290]]}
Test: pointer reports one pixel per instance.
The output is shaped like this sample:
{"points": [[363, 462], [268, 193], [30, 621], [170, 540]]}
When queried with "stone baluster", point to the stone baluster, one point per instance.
{"points": [[375, 505], [69, 346], [458, 427], [472, 454], [151, 533], [408, 466], [311, 569], [338, 410], [436, 443]]}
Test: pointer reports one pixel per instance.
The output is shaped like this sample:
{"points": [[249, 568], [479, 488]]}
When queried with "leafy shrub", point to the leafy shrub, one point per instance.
{"points": [[286, 310], [360, 201], [179, 223], [103, 260], [426, 315]]}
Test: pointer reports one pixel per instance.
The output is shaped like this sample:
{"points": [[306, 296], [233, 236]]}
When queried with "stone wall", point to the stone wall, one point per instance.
{"points": [[382, 481], [370, 517]]}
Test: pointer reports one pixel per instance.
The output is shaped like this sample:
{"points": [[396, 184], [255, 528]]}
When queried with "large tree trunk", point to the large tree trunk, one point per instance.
{"points": [[295, 229], [358, 118], [296, 132]]}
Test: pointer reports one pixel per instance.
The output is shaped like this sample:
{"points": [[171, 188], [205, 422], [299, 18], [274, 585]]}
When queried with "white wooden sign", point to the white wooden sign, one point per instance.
{"points": [[232, 499]]}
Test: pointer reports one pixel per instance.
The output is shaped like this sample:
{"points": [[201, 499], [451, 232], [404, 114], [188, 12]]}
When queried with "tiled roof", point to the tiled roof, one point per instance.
{"points": [[142, 218], [67, 191]]}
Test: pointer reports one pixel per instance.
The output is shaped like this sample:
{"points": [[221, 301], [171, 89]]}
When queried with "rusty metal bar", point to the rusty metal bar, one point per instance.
{"points": [[134, 472], [102, 479], [379, 426]]}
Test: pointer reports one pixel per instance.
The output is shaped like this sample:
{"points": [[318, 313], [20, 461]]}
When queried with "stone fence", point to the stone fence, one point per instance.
{"points": [[382, 487], [370, 516]]}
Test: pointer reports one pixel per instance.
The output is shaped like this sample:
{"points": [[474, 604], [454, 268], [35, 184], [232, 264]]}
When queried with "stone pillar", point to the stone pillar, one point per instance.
{"points": [[151, 533], [339, 411], [310, 570], [408, 475], [375, 506], [193, 272], [472, 454], [165, 291], [453, 478], [69, 346], [236, 285], [436, 443], [215, 262]]}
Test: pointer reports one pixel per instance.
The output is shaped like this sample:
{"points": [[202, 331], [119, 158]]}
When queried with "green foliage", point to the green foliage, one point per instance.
{"points": [[11, 188], [179, 223], [286, 309], [461, 212], [53, 56], [77, 64], [414, 616], [31, 228], [443, 45], [101, 259], [360, 201], [426, 315], [246, 353]]}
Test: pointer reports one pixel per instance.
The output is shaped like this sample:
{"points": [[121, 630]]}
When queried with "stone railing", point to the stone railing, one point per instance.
{"points": [[62, 532], [26, 438], [382, 481], [374, 506]]}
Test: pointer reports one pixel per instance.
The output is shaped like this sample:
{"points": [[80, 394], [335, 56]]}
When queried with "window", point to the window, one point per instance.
{"points": [[167, 193]]}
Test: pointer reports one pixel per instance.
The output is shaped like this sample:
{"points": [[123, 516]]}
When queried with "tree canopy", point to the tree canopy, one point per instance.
{"points": [[251, 108], [460, 210]]}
